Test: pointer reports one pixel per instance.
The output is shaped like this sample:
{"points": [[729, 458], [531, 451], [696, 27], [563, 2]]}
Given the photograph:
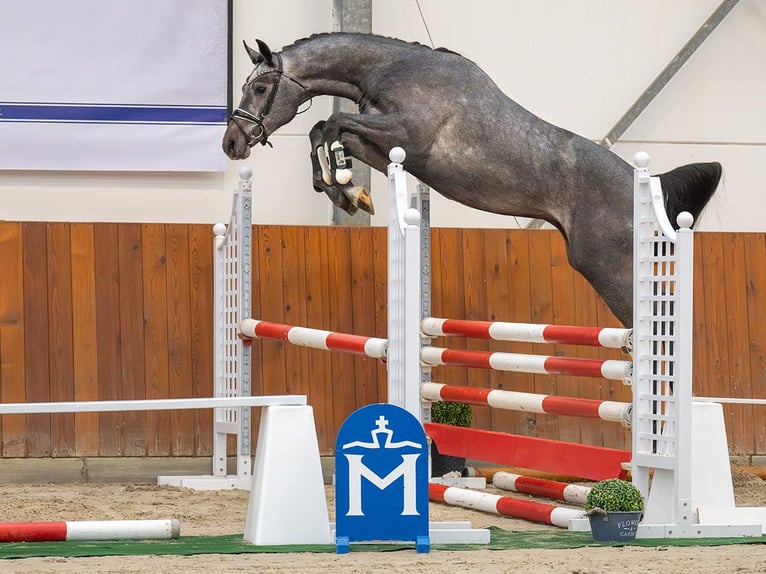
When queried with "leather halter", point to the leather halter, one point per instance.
{"points": [[239, 115]]}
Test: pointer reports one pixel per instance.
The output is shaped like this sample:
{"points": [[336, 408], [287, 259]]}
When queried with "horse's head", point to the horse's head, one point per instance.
{"points": [[267, 103]]}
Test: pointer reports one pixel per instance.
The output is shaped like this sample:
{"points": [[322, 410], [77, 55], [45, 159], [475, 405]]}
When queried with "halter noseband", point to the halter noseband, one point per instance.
{"points": [[262, 136]]}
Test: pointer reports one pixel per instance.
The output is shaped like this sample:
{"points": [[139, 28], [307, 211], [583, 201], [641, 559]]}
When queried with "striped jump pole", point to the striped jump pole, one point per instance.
{"points": [[530, 402], [538, 364], [574, 493], [529, 332], [89, 530], [315, 338], [525, 509]]}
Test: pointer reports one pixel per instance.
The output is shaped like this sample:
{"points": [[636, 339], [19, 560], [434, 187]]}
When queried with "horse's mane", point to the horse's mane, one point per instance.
{"points": [[387, 39]]}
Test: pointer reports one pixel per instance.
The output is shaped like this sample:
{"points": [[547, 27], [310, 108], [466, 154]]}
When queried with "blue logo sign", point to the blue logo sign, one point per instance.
{"points": [[381, 478]]}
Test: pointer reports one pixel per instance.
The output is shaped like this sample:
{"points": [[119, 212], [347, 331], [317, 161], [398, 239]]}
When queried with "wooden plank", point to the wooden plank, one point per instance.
{"points": [[586, 314], [61, 349], [269, 356], [448, 271], [12, 343], [36, 332], [294, 289], [513, 287], [156, 311], [201, 285], [108, 331], [541, 306], [703, 332], [319, 374], [755, 279], [341, 293], [257, 377], [367, 303], [562, 281], [475, 308], [717, 350], [740, 431], [494, 261], [179, 335], [84, 337], [132, 335]]}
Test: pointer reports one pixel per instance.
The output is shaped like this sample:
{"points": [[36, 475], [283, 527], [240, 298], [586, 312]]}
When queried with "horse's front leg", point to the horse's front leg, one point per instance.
{"points": [[368, 137], [331, 174]]}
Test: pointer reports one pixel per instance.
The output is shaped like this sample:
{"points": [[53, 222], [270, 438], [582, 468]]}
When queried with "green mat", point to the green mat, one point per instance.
{"points": [[234, 544]]}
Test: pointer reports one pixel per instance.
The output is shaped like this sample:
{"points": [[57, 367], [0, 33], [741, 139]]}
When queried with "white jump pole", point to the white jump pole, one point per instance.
{"points": [[149, 405], [89, 530]]}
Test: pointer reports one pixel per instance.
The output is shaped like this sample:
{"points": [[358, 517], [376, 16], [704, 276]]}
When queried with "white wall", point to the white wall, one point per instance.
{"points": [[577, 64]]}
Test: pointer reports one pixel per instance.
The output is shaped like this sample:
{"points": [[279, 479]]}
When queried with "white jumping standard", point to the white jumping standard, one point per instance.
{"points": [[683, 442]]}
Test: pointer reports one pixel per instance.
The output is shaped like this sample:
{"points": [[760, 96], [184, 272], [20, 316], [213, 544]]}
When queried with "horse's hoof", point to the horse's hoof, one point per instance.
{"points": [[364, 201], [359, 198]]}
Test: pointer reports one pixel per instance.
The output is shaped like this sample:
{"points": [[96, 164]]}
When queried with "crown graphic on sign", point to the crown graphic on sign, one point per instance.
{"points": [[382, 424]]}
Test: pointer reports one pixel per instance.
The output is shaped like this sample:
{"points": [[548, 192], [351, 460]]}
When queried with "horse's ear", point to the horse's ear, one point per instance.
{"points": [[265, 52], [255, 56]]}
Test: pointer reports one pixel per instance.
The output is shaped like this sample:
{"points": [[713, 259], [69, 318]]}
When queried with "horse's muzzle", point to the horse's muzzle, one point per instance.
{"points": [[235, 144]]}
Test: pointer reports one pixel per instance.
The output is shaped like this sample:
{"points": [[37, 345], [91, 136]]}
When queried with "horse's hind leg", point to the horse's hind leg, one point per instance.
{"points": [[326, 179]]}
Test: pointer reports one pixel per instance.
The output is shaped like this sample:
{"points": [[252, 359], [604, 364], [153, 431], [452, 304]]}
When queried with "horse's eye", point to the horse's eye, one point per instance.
{"points": [[260, 90]]}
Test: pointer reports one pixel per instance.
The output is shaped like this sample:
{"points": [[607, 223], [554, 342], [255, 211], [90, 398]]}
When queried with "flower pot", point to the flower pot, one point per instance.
{"points": [[442, 464], [614, 526]]}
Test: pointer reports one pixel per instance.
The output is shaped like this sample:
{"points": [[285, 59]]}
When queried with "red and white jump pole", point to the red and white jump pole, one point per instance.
{"points": [[529, 332], [574, 493], [315, 338], [520, 363], [525, 509], [529, 402], [89, 530]]}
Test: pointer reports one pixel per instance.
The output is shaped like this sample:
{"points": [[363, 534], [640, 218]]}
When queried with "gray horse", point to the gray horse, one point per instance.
{"points": [[464, 138]]}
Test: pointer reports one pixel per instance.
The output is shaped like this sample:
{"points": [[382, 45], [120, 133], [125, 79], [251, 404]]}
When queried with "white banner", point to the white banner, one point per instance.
{"points": [[119, 85]]}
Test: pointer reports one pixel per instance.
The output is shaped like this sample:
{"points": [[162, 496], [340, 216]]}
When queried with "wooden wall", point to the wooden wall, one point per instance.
{"points": [[118, 311]]}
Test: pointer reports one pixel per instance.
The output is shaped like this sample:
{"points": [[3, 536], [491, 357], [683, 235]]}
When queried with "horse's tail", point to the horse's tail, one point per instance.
{"points": [[689, 188]]}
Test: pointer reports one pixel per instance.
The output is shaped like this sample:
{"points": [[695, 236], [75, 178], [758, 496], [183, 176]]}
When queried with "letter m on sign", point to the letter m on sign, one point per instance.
{"points": [[381, 486], [357, 470]]}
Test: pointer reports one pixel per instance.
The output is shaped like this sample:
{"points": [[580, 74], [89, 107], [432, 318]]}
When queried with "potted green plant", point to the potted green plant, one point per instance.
{"points": [[614, 508], [448, 413]]}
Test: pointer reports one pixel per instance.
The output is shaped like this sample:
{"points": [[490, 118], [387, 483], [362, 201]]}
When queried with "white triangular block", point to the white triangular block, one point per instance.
{"points": [[287, 496], [711, 468]]}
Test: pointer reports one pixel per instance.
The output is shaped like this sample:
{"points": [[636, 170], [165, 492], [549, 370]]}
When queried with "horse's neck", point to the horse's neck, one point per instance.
{"points": [[336, 65]]}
